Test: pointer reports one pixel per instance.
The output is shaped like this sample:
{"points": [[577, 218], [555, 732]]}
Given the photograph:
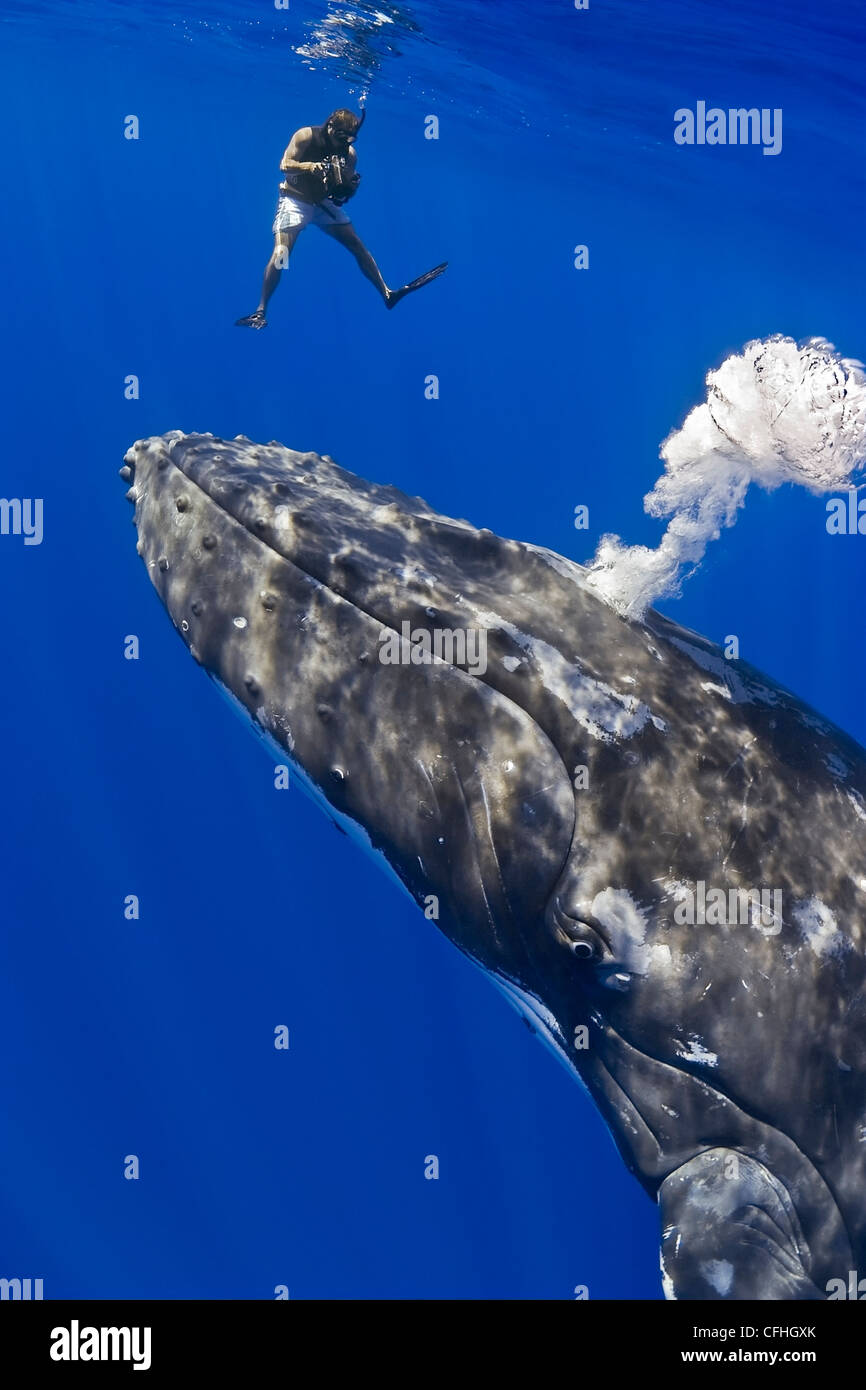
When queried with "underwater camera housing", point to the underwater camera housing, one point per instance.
{"points": [[340, 182]]}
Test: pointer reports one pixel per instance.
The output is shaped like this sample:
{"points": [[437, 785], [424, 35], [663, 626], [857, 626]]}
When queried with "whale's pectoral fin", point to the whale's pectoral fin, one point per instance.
{"points": [[729, 1230]]}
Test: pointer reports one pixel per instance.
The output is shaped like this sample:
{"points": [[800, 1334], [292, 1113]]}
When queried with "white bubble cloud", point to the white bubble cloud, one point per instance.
{"points": [[777, 412]]}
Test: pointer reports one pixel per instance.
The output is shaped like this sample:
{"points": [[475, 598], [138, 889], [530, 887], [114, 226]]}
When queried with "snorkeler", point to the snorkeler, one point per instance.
{"points": [[319, 165]]}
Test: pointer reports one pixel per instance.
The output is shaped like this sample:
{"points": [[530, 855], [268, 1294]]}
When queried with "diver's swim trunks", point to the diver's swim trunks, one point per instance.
{"points": [[292, 212]]}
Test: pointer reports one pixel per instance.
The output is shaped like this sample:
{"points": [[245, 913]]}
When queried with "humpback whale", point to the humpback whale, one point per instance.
{"points": [[577, 817]]}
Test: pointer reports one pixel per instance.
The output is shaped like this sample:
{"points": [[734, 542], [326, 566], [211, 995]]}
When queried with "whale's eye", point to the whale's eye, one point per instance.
{"points": [[585, 941]]}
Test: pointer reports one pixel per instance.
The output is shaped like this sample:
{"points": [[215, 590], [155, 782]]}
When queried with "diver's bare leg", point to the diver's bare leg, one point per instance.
{"points": [[345, 234], [283, 243]]}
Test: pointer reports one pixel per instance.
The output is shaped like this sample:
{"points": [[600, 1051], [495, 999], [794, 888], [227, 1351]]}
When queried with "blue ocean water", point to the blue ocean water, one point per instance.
{"points": [[155, 1037]]}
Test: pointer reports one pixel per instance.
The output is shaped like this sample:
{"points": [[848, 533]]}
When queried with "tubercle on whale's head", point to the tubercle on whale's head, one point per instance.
{"points": [[289, 579]]}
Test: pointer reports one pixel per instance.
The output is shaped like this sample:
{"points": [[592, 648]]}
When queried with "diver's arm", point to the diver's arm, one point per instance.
{"points": [[292, 161]]}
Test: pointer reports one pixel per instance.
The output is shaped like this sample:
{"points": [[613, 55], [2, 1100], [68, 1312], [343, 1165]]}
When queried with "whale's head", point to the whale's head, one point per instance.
{"points": [[548, 780], [339, 615]]}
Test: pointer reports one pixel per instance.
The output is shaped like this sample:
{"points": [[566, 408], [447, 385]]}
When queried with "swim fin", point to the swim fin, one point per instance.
{"points": [[256, 320], [396, 295]]}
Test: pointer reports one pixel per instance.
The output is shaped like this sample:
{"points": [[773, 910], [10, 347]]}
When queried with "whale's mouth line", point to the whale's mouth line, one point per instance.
{"points": [[611, 1085], [670, 1158], [722, 1092]]}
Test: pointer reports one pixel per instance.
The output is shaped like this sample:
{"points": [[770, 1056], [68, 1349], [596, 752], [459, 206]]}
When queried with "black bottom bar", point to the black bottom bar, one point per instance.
{"points": [[219, 1339]]}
